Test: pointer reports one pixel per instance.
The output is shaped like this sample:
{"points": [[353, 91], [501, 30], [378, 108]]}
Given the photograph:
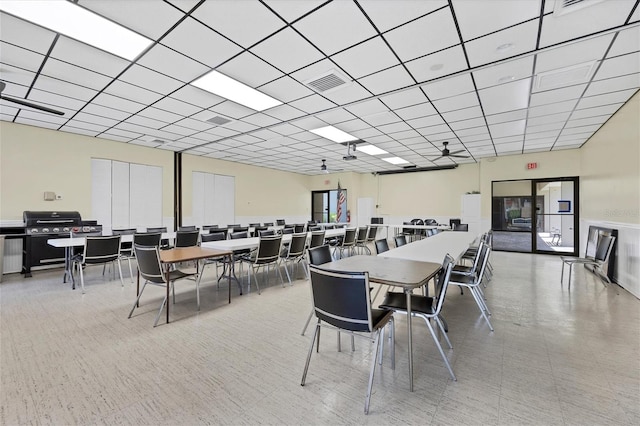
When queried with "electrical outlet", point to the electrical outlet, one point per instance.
{"points": [[58, 197]]}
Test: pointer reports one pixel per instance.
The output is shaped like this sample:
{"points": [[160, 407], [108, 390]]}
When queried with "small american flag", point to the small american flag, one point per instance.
{"points": [[341, 212]]}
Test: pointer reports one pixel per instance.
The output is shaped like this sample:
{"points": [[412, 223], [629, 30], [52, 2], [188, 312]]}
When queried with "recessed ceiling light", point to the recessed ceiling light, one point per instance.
{"points": [[436, 67], [221, 85], [504, 48], [81, 24], [395, 160], [371, 150], [506, 79], [334, 134]]}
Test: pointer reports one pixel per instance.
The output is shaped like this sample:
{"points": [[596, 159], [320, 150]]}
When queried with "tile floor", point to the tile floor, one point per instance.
{"points": [[556, 357]]}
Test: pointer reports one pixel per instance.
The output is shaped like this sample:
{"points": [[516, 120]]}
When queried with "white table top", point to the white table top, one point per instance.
{"points": [[434, 248], [249, 243], [79, 241], [394, 225]]}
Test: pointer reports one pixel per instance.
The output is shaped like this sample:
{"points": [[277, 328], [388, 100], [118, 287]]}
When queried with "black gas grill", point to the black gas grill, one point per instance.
{"points": [[42, 226]]}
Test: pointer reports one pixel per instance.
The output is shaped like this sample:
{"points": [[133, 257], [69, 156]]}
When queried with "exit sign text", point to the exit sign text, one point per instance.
{"points": [[532, 166]]}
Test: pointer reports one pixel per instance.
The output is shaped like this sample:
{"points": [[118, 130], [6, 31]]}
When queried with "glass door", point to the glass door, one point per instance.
{"points": [[555, 216]]}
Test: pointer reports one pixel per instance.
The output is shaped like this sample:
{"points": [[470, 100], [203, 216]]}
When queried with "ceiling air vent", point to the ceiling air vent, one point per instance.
{"points": [[327, 82], [563, 7], [218, 120], [158, 141], [562, 77]]}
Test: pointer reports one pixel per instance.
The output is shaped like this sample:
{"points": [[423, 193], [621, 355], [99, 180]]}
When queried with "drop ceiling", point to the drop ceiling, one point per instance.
{"points": [[492, 78]]}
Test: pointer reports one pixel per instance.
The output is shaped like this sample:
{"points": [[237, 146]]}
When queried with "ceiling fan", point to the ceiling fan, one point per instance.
{"points": [[447, 153], [26, 103], [325, 169]]}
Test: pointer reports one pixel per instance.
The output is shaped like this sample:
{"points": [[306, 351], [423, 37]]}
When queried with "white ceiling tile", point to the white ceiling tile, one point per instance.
{"points": [[70, 90], [150, 80], [312, 104], [214, 52], [507, 116], [347, 93], [509, 148], [113, 137], [620, 65], [626, 41], [386, 15], [463, 114], [160, 114], [584, 21], [249, 69], [546, 127], [557, 95], [88, 57], [169, 62], [195, 96], [467, 124], [449, 87], [582, 129], [432, 120], [404, 98], [415, 111], [334, 116], [11, 74], [285, 112], [506, 97], [240, 126], [457, 102], [176, 106], [134, 93], [244, 22], [478, 18], [21, 58], [596, 111], [232, 109], [79, 131], [546, 119], [96, 109], [260, 119], [381, 118], [67, 72], [30, 121], [504, 72], [287, 51], [25, 34], [484, 50], [573, 54], [146, 122], [41, 116], [408, 41], [192, 124], [555, 108], [366, 58], [587, 121], [285, 129], [387, 80], [393, 128], [293, 10], [308, 123], [613, 85], [605, 99], [286, 89], [124, 133], [94, 128], [509, 128], [95, 119], [58, 102], [335, 26], [438, 64]]}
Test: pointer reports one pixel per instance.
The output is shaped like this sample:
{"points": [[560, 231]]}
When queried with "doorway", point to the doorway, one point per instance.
{"points": [[535, 216], [329, 206]]}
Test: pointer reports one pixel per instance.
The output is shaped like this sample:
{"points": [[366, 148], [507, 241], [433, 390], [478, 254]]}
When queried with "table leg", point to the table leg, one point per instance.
{"points": [[230, 257], [410, 338], [168, 284]]}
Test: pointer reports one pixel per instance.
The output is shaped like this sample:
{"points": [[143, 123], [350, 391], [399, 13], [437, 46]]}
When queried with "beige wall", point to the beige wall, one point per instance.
{"points": [[34, 160], [610, 182]]}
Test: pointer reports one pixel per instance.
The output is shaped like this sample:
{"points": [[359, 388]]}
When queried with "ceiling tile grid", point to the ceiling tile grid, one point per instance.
{"points": [[491, 78]]}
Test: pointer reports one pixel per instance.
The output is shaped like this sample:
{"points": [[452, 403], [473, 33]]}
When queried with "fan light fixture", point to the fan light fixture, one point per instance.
{"points": [[221, 85], [334, 134], [68, 18]]}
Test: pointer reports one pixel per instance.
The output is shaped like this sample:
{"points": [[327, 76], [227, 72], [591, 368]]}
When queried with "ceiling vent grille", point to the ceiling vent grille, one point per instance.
{"points": [[327, 82], [158, 141], [218, 120], [563, 7], [563, 77]]}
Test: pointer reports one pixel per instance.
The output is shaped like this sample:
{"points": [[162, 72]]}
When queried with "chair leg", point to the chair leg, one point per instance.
{"points": [[287, 271], [442, 330], [371, 373], [437, 342], [137, 300], [164, 302], [306, 324], [81, 277], [484, 314], [120, 272], [306, 365]]}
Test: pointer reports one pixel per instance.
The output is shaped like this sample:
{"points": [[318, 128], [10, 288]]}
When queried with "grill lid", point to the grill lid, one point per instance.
{"points": [[42, 218]]}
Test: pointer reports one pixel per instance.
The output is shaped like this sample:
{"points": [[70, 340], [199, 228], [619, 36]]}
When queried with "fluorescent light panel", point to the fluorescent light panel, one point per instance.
{"points": [[395, 160], [371, 150], [78, 23], [221, 85], [334, 134]]}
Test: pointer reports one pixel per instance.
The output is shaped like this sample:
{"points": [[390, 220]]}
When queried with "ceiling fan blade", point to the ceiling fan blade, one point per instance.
{"points": [[31, 105], [459, 156], [457, 152]]}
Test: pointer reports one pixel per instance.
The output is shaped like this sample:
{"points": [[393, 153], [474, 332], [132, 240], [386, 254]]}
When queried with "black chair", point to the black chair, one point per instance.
{"points": [[266, 232], [209, 227], [187, 238], [163, 243], [348, 242], [341, 301], [382, 246], [417, 233], [268, 224], [454, 221], [298, 228], [267, 254], [400, 240], [371, 235], [235, 225], [427, 308], [361, 240], [150, 269], [317, 238], [317, 256], [258, 229], [603, 251], [464, 227], [430, 222], [213, 236], [235, 229], [98, 251], [187, 228], [295, 253], [126, 248], [253, 225], [315, 228], [148, 239], [280, 222], [287, 231]]}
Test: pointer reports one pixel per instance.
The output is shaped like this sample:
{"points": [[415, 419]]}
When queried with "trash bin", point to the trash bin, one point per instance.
{"points": [[1, 256]]}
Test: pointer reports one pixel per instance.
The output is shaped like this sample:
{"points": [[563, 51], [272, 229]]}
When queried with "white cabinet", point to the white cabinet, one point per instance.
{"points": [[470, 212]]}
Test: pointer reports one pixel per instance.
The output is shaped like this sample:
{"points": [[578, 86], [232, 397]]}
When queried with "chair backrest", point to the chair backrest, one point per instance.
{"points": [[149, 263], [382, 246], [349, 237], [483, 261], [187, 228], [268, 224], [266, 232], [238, 235], [187, 238], [213, 236], [443, 282], [254, 224], [268, 249], [209, 227], [361, 237], [604, 247], [478, 258], [147, 239], [430, 222], [101, 249], [373, 231], [461, 227], [297, 244], [128, 231], [314, 228], [234, 225], [319, 255], [157, 229], [240, 229], [454, 221], [287, 230], [317, 238], [280, 222], [400, 240], [298, 228], [342, 299]]}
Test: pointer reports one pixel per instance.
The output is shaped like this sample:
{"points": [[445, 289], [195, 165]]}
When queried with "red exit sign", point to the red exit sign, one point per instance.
{"points": [[531, 166]]}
